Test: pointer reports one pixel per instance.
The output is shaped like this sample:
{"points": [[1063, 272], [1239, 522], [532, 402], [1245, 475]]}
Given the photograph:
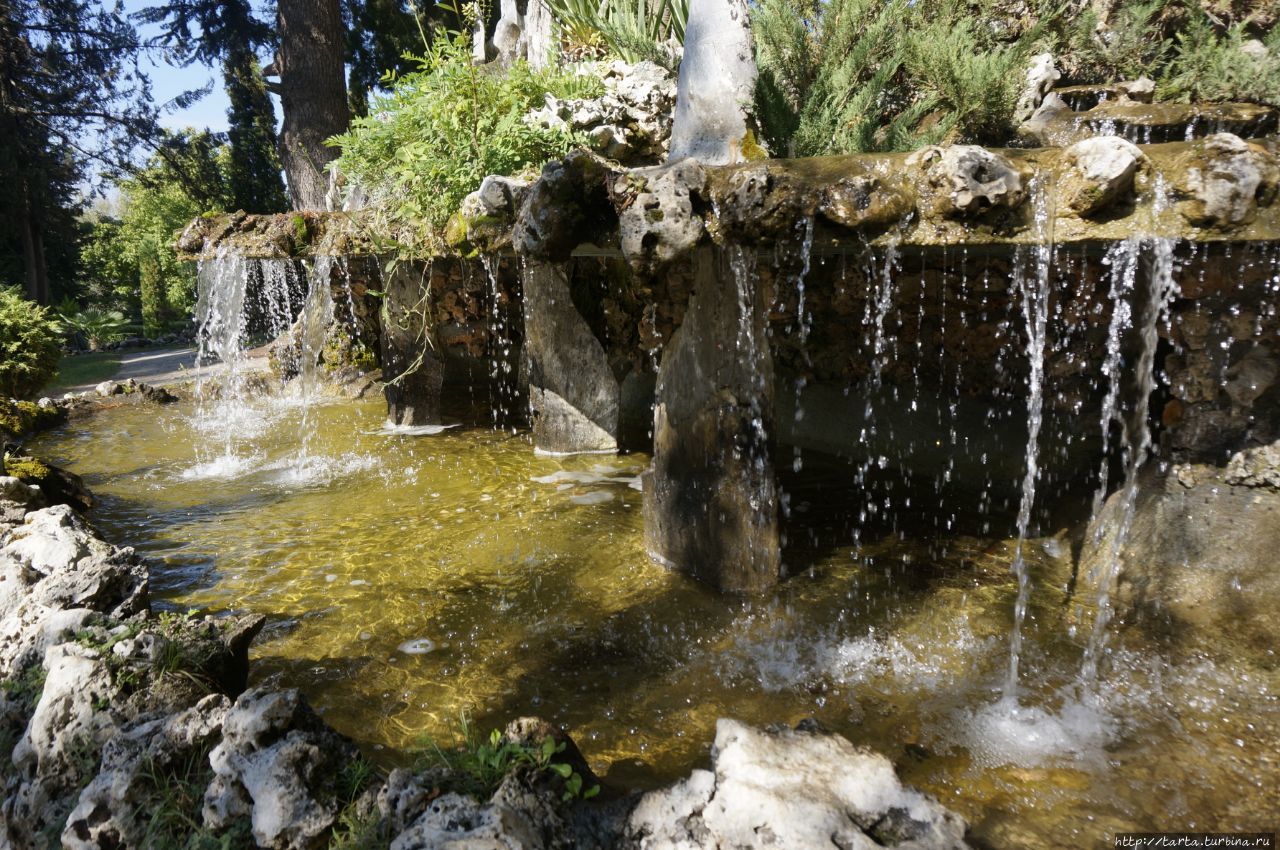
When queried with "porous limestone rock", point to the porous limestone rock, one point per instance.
{"points": [[659, 222], [1099, 172], [760, 202], [630, 123], [568, 206], [867, 201], [114, 809], [277, 764], [792, 790], [717, 82], [518, 817], [1224, 181], [1041, 75], [485, 217], [58, 751], [967, 180], [15, 490]]}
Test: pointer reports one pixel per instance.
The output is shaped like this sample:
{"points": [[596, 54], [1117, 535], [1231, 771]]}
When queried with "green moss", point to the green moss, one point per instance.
{"points": [[26, 469], [301, 233]]}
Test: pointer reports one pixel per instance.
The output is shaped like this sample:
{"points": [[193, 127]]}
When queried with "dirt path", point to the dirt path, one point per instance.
{"points": [[161, 366]]}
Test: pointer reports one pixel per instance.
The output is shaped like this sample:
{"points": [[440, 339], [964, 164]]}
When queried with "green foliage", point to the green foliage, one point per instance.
{"points": [[976, 84], [253, 166], [27, 687], [1125, 50], [95, 325], [23, 417], [633, 30], [1207, 66], [29, 346], [856, 75], [479, 765], [446, 126]]}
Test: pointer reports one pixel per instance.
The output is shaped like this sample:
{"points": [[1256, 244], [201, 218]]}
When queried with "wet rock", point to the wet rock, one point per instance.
{"points": [[115, 809], [710, 499], [757, 202], [659, 221], [1224, 181], [1041, 75], [1198, 561], [277, 764], [966, 180], [568, 206], [1100, 172], [866, 201], [629, 124], [573, 394], [795, 790], [156, 395], [717, 82]]}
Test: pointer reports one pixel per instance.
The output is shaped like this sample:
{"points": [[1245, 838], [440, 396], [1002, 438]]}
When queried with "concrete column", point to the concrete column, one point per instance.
{"points": [[710, 500], [573, 394]]}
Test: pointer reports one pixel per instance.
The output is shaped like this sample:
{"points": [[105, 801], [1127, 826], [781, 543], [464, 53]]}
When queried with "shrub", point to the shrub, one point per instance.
{"points": [[29, 346], [446, 126], [633, 30], [855, 75], [1209, 66]]}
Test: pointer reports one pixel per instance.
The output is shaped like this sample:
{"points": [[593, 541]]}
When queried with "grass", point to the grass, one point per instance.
{"points": [[82, 370]]}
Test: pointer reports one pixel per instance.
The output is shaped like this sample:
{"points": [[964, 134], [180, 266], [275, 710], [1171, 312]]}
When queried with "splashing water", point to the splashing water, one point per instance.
{"points": [[1034, 289], [803, 322]]}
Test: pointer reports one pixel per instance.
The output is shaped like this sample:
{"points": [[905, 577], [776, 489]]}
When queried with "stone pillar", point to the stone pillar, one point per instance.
{"points": [[710, 500], [411, 366], [717, 82], [573, 394]]}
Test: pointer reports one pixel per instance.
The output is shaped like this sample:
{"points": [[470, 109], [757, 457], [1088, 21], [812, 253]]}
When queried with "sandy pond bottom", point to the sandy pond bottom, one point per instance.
{"points": [[410, 576]]}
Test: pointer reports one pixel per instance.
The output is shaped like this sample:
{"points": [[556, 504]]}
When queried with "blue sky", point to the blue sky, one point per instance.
{"points": [[167, 82]]}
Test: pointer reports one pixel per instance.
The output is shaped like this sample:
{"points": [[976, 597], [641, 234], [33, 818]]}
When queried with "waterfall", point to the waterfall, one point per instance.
{"points": [[877, 310], [1161, 290], [803, 322], [317, 316], [1122, 259], [1033, 286]]}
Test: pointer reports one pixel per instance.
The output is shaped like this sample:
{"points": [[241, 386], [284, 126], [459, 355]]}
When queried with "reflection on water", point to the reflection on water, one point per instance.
{"points": [[408, 575]]}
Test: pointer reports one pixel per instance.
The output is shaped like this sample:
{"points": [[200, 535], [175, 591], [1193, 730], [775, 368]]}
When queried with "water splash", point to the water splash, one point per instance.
{"points": [[1033, 286]]}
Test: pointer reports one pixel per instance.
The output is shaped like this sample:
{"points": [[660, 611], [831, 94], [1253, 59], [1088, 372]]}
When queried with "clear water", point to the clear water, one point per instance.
{"points": [[407, 576]]}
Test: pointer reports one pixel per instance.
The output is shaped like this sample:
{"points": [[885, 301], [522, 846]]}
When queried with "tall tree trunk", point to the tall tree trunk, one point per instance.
{"points": [[313, 95], [33, 261]]}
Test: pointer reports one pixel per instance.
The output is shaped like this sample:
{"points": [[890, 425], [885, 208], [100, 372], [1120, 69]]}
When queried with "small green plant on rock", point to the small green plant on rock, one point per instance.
{"points": [[479, 765]]}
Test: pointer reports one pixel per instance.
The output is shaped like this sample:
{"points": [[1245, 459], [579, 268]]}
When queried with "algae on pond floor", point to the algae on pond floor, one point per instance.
{"points": [[406, 578]]}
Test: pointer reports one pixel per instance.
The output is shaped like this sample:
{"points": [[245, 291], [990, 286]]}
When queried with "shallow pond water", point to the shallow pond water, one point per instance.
{"points": [[409, 577]]}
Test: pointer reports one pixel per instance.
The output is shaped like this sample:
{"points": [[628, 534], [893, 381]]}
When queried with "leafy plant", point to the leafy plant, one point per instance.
{"points": [[96, 325], [633, 30], [1209, 67], [29, 345], [443, 128], [481, 764]]}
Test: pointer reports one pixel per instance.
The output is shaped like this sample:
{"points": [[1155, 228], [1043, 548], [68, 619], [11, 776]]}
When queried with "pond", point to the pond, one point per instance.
{"points": [[409, 577]]}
